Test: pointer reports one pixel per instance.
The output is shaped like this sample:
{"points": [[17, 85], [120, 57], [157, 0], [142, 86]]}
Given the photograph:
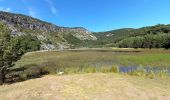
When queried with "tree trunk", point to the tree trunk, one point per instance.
{"points": [[2, 76], [1, 79]]}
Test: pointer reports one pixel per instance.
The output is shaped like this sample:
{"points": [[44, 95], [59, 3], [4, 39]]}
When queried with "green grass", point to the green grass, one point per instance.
{"points": [[96, 60], [67, 58], [99, 57], [153, 59]]}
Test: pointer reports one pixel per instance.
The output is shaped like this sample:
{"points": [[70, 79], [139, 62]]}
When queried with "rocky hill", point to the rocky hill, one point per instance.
{"points": [[50, 35], [53, 37]]}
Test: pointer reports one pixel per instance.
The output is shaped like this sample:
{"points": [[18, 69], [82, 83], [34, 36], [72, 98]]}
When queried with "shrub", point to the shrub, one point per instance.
{"points": [[26, 72], [114, 69]]}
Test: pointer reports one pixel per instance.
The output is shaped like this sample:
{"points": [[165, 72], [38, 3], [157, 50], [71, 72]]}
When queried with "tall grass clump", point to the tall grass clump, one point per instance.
{"points": [[140, 71], [151, 73], [163, 73], [114, 68], [159, 74], [89, 69]]}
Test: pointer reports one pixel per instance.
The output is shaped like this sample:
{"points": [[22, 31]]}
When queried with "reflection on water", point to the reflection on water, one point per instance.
{"points": [[126, 69]]}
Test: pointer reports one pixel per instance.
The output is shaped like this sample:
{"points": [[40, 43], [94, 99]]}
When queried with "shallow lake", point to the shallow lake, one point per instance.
{"points": [[126, 69]]}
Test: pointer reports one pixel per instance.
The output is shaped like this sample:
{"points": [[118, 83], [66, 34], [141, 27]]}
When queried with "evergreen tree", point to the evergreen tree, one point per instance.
{"points": [[9, 51]]}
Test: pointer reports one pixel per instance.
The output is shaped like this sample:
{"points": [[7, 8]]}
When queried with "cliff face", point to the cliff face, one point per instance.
{"points": [[51, 36]]}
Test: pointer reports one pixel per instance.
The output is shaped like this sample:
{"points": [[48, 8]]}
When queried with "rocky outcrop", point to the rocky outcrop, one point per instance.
{"points": [[46, 32]]}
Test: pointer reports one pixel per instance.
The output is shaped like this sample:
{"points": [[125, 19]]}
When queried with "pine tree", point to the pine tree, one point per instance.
{"points": [[7, 52]]}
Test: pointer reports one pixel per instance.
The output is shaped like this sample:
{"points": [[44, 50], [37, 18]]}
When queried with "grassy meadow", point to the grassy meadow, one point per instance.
{"points": [[99, 60], [91, 74], [99, 57]]}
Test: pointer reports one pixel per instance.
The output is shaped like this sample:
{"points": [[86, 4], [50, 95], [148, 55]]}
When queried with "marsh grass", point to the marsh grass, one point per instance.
{"points": [[89, 69], [163, 73], [141, 71], [148, 59], [94, 61], [104, 57]]}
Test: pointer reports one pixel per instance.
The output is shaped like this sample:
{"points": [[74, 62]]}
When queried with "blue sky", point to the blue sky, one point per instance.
{"points": [[95, 15]]}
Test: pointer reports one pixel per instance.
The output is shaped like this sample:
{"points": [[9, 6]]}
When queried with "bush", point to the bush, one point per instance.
{"points": [[25, 73], [114, 69]]}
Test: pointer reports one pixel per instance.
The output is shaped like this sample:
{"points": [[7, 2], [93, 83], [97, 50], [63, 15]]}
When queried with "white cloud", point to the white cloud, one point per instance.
{"points": [[32, 12], [8, 9], [5, 9], [52, 7]]}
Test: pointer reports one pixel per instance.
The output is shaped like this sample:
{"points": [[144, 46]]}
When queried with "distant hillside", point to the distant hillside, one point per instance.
{"points": [[110, 37], [53, 37], [157, 36], [50, 35]]}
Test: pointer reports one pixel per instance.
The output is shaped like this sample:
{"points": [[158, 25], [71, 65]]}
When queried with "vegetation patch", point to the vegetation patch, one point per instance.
{"points": [[95, 61]]}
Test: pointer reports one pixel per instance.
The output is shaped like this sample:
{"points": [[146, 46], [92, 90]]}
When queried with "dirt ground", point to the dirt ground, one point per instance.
{"points": [[96, 86]]}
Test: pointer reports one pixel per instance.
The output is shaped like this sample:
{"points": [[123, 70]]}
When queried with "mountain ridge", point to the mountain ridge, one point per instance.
{"points": [[21, 25], [53, 37]]}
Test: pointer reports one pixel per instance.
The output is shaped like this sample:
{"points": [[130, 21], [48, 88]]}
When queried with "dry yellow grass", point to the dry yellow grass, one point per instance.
{"points": [[88, 87]]}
